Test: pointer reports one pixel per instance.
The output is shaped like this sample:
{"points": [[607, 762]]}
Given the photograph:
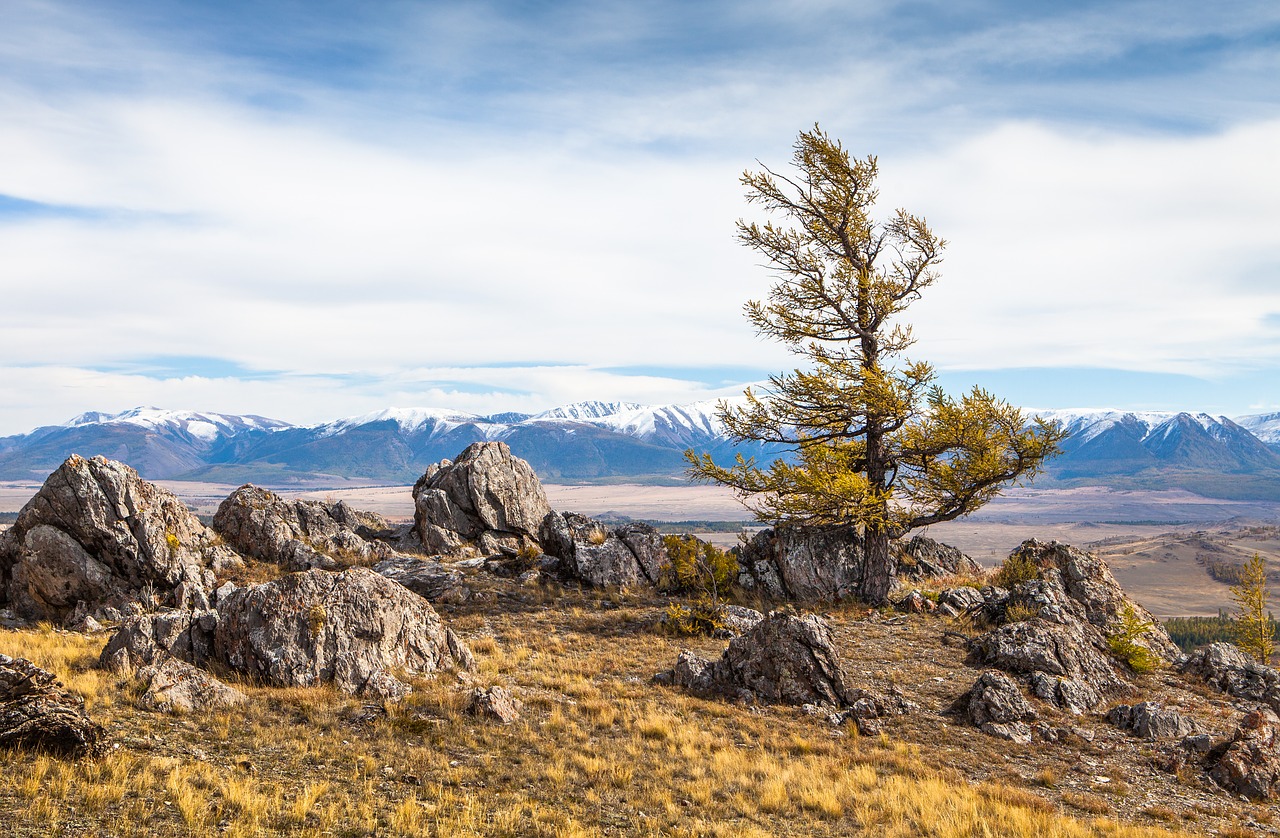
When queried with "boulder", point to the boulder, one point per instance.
{"points": [[962, 599], [783, 659], [922, 557], [486, 498], [495, 703], [994, 698], [354, 629], [173, 685], [1149, 720], [145, 639], [803, 563], [914, 602], [97, 533], [1072, 655], [1224, 667], [429, 579], [37, 714], [592, 554], [1071, 694], [300, 534], [1249, 764]]}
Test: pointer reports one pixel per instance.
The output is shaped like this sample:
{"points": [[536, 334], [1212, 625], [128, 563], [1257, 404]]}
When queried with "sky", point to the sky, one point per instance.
{"points": [[307, 210]]}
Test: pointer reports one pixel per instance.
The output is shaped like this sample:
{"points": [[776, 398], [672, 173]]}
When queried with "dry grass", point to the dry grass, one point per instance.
{"points": [[599, 751]]}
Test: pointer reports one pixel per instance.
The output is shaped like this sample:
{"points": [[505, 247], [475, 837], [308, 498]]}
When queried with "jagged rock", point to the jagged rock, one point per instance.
{"points": [[429, 579], [1249, 764], [1078, 586], [494, 703], [1224, 667], [353, 629], [145, 639], [37, 714], [783, 659], [739, 619], [995, 699], [1073, 651], [97, 533], [1071, 694], [922, 557], [962, 599], [802, 563], [1149, 720], [487, 496], [594, 555], [174, 685], [300, 534], [867, 708]]}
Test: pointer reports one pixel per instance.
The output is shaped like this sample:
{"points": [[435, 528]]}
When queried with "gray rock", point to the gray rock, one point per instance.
{"points": [[783, 659], [174, 685], [97, 533], [1072, 651], [592, 554], [145, 639], [353, 629], [739, 619], [922, 557], [915, 602], [1148, 720], [962, 599], [429, 579], [995, 699], [487, 499], [1249, 764], [1224, 667], [1071, 694], [300, 534], [37, 714], [1019, 732], [495, 703], [803, 563], [867, 708]]}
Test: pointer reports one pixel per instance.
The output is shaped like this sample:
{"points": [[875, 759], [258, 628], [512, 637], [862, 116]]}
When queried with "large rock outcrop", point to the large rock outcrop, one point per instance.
{"points": [[1075, 606], [96, 533], [599, 556], [37, 714], [1249, 763], [827, 563], [1224, 667], [487, 499], [356, 630], [300, 534]]}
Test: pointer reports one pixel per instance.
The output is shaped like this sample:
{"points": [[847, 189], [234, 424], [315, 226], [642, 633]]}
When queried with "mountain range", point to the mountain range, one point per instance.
{"points": [[610, 441]]}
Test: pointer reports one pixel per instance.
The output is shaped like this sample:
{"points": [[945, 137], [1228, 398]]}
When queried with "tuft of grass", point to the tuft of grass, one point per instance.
{"points": [[1016, 569]]}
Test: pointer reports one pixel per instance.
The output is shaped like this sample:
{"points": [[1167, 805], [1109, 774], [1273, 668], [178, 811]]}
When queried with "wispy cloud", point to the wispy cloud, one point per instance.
{"points": [[332, 204]]}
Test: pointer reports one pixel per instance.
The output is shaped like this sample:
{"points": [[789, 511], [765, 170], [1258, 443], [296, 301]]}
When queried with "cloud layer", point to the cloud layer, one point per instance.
{"points": [[307, 210]]}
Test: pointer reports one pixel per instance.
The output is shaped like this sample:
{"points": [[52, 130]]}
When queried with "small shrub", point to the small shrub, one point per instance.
{"points": [[1020, 612], [1016, 569], [316, 617], [699, 618], [173, 543], [1124, 644], [695, 566], [527, 556], [597, 536]]}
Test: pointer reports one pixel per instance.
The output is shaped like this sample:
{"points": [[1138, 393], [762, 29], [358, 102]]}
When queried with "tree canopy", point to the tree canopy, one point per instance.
{"points": [[876, 444]]}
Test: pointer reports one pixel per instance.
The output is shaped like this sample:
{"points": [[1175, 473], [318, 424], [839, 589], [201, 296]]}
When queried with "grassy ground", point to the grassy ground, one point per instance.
{"points": [[599, 751]]}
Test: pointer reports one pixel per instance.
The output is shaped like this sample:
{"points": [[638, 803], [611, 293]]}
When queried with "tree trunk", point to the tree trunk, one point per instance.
{"points": [[877, 568]]}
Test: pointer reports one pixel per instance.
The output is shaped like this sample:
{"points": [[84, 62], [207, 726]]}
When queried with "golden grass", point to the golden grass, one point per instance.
{"points": [[599, 751]]}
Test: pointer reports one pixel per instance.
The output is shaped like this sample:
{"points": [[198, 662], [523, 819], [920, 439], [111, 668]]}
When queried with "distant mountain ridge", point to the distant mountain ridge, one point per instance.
{"points": [[608, 441]]}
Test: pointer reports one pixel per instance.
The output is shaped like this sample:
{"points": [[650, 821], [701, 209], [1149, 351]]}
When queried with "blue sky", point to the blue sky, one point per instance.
{"points": [[314, 209]]}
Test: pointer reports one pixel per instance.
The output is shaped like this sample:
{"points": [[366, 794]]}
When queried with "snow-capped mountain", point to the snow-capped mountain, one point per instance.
{"points": [[1265, 426], [604, 440]]}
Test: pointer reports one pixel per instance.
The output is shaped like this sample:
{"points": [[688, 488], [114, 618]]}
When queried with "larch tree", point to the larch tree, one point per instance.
{"points": [[1255, 631], [876, 445]]}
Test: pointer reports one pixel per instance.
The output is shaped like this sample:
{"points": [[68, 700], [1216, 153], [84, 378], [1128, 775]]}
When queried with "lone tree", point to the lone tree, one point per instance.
{"points": [[876, 445], [1255, 631]]}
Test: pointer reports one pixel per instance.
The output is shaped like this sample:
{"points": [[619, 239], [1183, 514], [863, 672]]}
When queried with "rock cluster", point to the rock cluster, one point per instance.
{"points": [[1148, 720], [300, 534], [96, 533], [995, 705], [1224, 667], [37, 714], [596, 556], [487, 499], [1063, 648], [1249, 763], [353, 629]]}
